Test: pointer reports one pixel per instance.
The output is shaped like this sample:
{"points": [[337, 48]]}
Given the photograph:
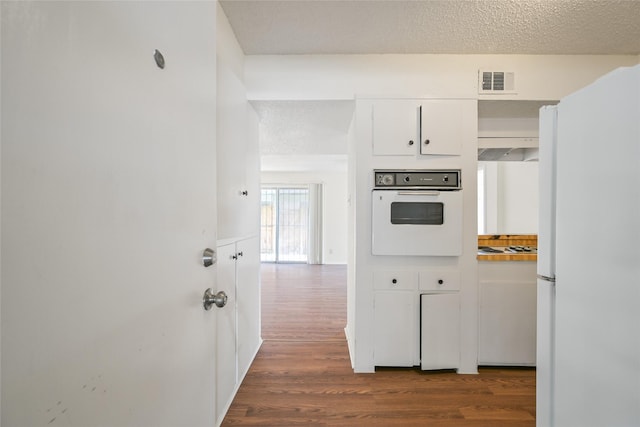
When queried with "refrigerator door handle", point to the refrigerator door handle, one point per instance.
{"points": [[546, 278]]}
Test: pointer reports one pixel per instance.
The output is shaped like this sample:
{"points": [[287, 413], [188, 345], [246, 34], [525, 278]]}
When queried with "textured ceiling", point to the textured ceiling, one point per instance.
{"points": [[312, 135], [436, 26], [304, 127], [306, 136]]}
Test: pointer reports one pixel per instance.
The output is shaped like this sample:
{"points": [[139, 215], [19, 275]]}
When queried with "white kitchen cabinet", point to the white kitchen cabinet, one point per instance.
{"points": [[238, 330], [408, 127], [248, 301], [238, 160], [440, 331], [396, 127], [439, 280], [507, 323], [507, 313], [392, 279], [400, 339], [395, 328], [442, 128]]}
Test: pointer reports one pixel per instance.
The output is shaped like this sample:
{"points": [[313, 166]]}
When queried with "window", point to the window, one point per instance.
{"points": [[284, 225]]}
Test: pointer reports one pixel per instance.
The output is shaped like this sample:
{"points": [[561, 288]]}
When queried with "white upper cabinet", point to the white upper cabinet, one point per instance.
{"points": [[238, 160], [396, 127], [408, 127], [442, 127]]}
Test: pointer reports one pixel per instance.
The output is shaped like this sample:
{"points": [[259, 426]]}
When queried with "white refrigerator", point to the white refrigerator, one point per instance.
{"points": [[588, 344]]}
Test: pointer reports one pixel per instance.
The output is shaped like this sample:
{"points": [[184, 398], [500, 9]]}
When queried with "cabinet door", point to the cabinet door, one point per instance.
{"points": [[396, 130], [248, 297], [226, 363], [440, 333], [396, 321], [442, 128], [238, 163]]}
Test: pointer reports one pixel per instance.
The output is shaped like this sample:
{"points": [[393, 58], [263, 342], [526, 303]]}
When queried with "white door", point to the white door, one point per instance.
{"points": [[108, 199]]}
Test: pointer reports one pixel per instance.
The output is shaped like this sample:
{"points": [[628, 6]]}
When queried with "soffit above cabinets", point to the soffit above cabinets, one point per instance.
{"points": [[508, 130], [497, 109], [508, 149]]}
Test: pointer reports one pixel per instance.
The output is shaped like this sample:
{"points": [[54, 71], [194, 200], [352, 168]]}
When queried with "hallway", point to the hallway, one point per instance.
{"points": [[302, 374]]}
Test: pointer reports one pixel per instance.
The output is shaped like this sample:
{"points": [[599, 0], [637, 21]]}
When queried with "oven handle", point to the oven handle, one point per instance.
{"points": [[418, 193]]}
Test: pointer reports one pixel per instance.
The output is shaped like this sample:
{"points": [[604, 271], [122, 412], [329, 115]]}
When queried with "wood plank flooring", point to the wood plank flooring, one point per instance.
{"points": [[302, 374]]}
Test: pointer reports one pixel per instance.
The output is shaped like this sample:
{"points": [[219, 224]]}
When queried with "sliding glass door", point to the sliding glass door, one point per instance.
{"points": [[284, 225]]}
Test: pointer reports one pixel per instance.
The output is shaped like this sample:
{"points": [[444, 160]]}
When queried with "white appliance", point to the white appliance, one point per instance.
{"points": [[588, 349], [417, 212], [546, 288]]}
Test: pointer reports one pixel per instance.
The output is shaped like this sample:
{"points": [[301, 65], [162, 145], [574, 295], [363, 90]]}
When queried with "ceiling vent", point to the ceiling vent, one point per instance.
{"points": [[496, 82]]}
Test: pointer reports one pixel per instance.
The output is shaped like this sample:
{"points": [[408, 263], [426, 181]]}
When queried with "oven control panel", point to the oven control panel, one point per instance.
{"points": [[435, 179]]}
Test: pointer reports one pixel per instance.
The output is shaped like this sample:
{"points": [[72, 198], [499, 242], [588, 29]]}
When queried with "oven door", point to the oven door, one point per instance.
{"points": [[416, 222]]}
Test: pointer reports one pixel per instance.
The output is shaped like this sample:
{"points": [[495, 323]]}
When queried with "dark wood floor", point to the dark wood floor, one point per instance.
{"points": [[302, 374]]}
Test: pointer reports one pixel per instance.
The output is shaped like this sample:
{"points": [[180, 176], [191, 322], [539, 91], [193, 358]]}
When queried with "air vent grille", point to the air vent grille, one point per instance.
{"points": [[496, 82]]}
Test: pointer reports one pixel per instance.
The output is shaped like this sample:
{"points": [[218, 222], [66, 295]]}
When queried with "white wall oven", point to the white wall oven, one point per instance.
{"points": [[417, 212]]}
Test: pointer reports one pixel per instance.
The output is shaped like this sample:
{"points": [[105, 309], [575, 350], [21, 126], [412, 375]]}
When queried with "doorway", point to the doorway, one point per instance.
{"points": [[284, 224]]}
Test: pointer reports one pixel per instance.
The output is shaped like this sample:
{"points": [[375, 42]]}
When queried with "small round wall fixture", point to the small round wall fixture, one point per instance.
{"points": [[159, 59]]}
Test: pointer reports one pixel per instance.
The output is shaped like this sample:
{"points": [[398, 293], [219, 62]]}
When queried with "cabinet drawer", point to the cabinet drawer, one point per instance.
{"points": [[440, 280], [388, 280]]}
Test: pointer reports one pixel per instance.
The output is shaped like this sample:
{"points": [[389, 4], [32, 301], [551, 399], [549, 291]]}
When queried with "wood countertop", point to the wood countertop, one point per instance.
{"points": [[505, 240]]}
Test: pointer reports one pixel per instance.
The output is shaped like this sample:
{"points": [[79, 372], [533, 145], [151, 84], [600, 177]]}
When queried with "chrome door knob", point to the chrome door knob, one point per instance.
{"points": [[209, 298], [208, 257]]}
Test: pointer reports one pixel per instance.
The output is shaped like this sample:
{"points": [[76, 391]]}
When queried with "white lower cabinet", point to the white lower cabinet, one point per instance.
{"points": [[440, 331], [238, 322], [439, 280], [248, 297], [507, 323], [417, 318], [396, 322], [507, 295]]}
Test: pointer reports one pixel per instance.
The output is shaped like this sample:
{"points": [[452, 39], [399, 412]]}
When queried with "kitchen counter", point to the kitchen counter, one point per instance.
{"points": [[501, 242]]}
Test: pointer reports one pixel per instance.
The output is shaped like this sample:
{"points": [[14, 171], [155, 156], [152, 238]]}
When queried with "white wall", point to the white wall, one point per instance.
{"points": [[519, 198], [538, 77], [334, 209], [511, 197]]}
